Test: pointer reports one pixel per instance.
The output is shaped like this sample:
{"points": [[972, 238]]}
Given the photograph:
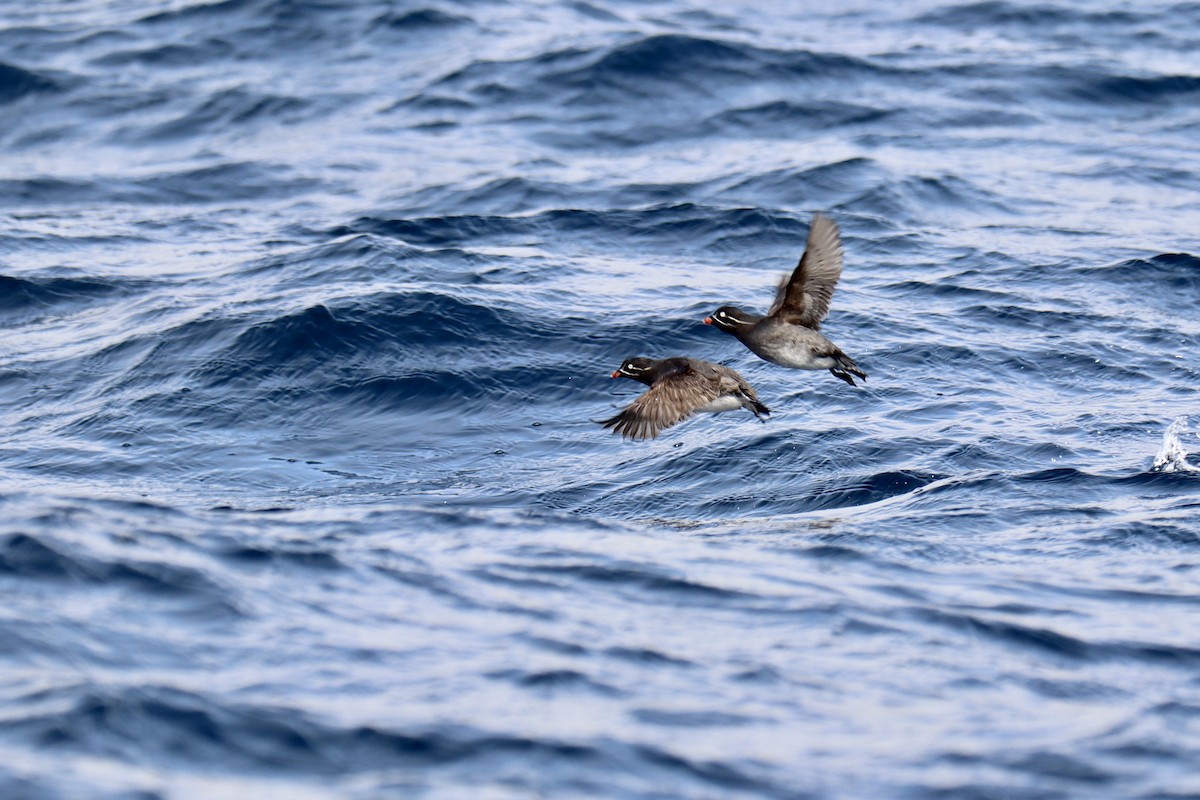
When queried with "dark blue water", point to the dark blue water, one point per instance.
{"points": [[309, 307]]}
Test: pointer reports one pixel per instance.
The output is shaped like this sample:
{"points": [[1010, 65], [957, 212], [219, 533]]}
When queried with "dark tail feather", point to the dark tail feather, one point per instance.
{"points": [[845, 376], [753, 405], [845, 368]]}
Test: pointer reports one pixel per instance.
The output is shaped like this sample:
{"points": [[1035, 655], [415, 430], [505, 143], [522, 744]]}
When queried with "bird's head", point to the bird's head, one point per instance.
{"points": [[731, 319], [637, 368]]}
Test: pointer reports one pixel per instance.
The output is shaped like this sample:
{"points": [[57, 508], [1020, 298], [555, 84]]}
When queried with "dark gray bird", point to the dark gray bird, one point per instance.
{"points": [[679, 387], [789, 334]]}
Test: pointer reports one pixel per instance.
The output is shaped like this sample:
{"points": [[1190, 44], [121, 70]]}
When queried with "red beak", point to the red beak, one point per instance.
{"points": [[708, 320], [616, 373]]}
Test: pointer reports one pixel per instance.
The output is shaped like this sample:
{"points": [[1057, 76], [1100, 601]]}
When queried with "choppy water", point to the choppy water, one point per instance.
{"points": [[309, 306]]}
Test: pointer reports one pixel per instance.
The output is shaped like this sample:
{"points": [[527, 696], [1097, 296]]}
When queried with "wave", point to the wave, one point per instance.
{"points": [[39, 560], [450, 353], [16, 83], [177, 727], [1172, 456], [784, 118], [867, 489], [1174, 271], [384, 352], [366, 258], [677, 226], [554, 681], [1059, 644], [1020, 94], [419, 20], [907, 198], [407, 320], [202, 11], [688, 61], [645, 578], [168, 55], [679, 75], [694, 482], [266, 31], [221, 183], [1032, 18], [25, 297], [822, 185], [222, 112], [1139, 90]]}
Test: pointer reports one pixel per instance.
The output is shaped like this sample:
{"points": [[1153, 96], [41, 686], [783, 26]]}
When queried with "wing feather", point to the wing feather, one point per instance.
{"points": [[670, 401], [804, 298]]}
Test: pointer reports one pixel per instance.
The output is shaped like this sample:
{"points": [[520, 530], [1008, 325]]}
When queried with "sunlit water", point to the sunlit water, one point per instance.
{"points": [[310, 307]]}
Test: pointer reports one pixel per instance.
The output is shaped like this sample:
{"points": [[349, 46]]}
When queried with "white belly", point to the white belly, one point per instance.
{"points": [[723, 403], [792, 346], [796, 357]]}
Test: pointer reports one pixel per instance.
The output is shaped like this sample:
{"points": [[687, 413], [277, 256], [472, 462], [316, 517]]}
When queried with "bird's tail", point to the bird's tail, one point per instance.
{"points": [[845, 368], [753, 405]]}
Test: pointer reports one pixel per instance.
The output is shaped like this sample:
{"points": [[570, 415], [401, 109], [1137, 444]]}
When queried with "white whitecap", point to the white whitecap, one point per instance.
{"points": [[1172, 456]]}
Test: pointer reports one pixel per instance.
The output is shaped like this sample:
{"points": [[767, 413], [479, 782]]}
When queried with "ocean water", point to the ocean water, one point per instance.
{"points": [[309, 309]]}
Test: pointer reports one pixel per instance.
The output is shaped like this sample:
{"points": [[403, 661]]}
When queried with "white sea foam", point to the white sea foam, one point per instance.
{"points": [[1172, 456]]}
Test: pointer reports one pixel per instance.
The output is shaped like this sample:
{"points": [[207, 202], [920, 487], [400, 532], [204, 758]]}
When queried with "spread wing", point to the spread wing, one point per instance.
{"points": [[803, 298], [670, 400]]}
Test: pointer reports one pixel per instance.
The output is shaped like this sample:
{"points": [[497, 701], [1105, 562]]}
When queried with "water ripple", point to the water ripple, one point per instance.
{"points": [[310, 310]]}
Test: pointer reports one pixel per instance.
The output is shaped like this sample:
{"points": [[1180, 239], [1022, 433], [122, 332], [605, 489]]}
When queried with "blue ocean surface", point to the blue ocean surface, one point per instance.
{"points": [[309, 309]]}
